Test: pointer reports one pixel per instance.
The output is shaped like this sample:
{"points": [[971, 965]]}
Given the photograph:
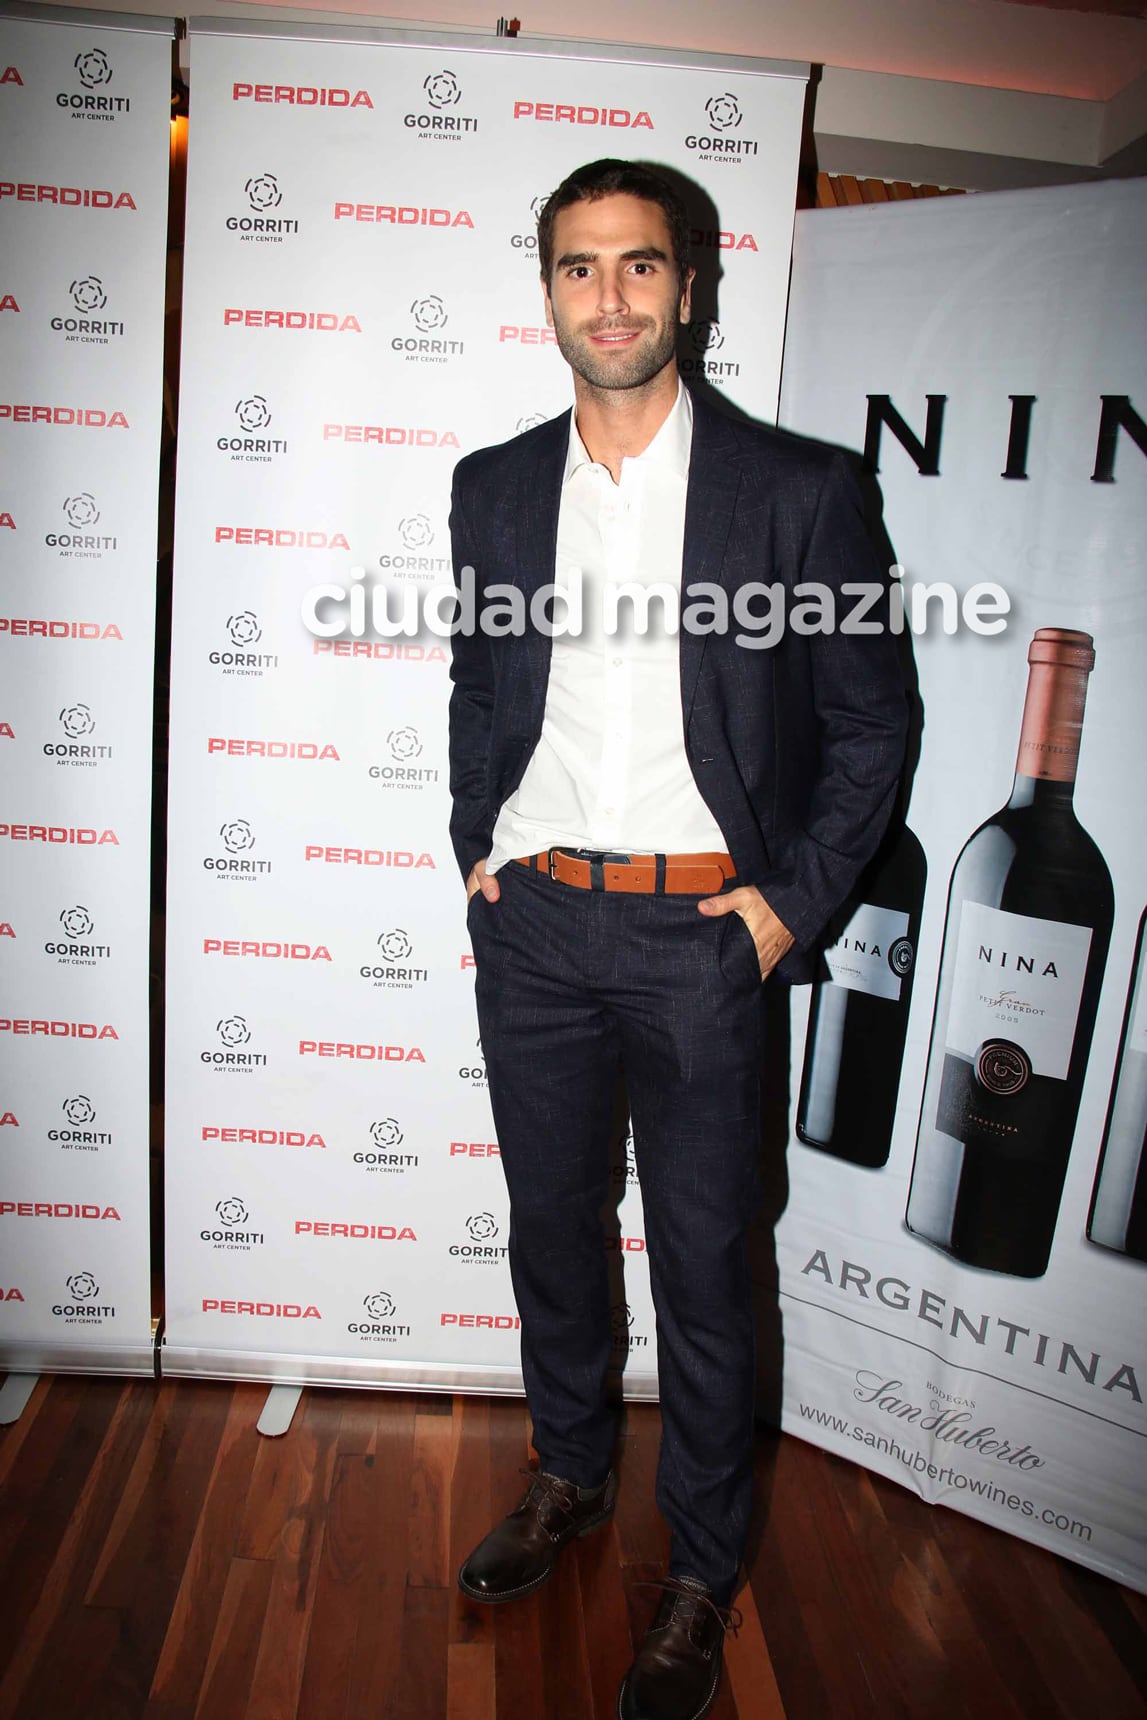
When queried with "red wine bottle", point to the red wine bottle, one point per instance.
{"points": [[1118, 1217], [1025, 943], [858, 1019]]}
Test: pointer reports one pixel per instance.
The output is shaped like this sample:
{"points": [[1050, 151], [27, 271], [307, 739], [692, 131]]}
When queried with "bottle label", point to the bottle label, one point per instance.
{"points": [[1015, 995], [873, 953]]}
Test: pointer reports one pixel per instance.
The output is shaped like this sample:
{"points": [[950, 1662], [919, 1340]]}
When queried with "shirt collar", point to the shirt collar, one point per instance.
{"points": [[669, 448]]}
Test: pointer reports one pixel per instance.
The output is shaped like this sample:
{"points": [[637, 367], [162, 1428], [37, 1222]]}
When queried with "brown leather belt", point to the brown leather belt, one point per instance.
{"points": [[634, 874]]}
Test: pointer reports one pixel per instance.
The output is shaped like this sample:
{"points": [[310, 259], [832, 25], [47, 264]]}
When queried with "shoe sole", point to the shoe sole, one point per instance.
{"points": [[698, 1713], [485, 1598]]}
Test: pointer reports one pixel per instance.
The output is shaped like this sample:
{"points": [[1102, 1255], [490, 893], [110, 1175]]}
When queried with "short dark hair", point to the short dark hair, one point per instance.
{"points": [[607, 178]]}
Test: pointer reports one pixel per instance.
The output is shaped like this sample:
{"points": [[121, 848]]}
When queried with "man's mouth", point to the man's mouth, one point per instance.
{"points": [[614, 336]]}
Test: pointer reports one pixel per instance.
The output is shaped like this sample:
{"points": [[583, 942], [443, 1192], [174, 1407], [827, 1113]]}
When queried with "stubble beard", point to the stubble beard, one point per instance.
{"points": [[634, 370]]}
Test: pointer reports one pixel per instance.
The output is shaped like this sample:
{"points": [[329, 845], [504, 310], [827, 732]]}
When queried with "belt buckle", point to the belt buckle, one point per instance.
{"points": [[550, 853]]}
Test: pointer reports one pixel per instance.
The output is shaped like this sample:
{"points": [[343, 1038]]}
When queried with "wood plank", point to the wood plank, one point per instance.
{"points": [[230, 1668], [470, 1691], [824, 192]]}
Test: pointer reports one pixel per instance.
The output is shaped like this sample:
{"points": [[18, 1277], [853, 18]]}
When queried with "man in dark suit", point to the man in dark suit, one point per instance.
{"points": [[648, 827]]}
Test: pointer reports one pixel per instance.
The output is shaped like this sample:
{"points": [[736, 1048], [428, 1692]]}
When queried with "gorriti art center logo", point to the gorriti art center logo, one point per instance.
{"points": [[244, 628], [723, 112], [440, 120], [723, 140], [386, 1133], [83, 1286], [94, 68], [404, 744], [238, 837], [416, 532], [442, 90], [77, 720], [236, 864], [482, 1226], [80, 510], [79, 1110], [429, 314], [395, 946], [87, 328], [95, 73], [263, 192], [380, 1305], [529, 422], [77, 926], [254, 446], [378, 1327], [261, 224], [253, 413], [526, 241], [706, 338], [232, 1215], [232, 1212], [82, 1309], [88, 294], [230, 1055]]}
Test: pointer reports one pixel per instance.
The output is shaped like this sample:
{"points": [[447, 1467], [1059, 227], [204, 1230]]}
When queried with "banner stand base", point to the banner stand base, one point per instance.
{"points": [[278, 1410], [14, 1395]]}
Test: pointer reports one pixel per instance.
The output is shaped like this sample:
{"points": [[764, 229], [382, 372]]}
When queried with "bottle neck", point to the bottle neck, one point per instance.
{"points": [[1052, 726]]}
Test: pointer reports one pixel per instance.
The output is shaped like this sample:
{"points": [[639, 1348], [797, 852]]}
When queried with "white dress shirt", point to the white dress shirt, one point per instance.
{"points": [[610, 771]]}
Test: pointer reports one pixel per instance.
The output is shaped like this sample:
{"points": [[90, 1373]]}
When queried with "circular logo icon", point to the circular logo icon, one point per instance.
{"points": [[380, 1305], [231, 1211], [253, 413], [237, 835], [482, 1226], [77, 721], [77, 922], [416, 532], [82, 1286], [539, 204], [233, 1030], [1002, 1067], [244, 628], [404, 743], [81, 510], [93, 67], [530, 422], [724, 112], [442, 89], [386, 1133], [395, 946], [901, 956], [79, 1110], [621, 1319], [429, 314], [88, 293], [706, 336], [263, 191]]}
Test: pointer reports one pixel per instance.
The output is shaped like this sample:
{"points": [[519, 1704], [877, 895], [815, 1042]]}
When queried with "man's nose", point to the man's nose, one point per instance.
{"points": [[611, 296]]}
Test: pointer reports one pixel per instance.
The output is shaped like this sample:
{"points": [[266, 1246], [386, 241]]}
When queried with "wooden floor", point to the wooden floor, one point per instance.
{"points": [[162, 1561]]}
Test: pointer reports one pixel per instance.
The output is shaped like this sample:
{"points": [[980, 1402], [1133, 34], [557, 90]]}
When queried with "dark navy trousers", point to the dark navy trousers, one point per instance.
{"points": [[572, 984]]}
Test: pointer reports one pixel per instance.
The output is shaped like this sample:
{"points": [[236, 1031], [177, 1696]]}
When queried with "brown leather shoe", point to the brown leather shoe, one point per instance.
{"points": [[519, 1555], [678, 1666]]}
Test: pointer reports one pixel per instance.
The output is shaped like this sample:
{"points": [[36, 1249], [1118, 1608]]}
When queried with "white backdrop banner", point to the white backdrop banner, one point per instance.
{"points": [[362, 307], [84, 145], [963, 1255]]}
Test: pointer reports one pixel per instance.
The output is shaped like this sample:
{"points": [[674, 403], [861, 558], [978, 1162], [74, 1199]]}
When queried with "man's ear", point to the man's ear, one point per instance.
{"points": [[687, 296], [546, 299]]}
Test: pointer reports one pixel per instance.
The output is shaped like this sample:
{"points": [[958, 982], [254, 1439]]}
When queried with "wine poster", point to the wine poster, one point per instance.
{"points": [[963, 1252]]}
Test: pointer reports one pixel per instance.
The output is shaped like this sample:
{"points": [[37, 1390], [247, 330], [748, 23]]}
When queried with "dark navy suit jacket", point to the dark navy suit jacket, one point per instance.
{"points": [[796, 749]]}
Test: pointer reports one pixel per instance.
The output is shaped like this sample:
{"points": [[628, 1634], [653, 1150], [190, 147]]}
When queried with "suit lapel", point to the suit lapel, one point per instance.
{"points": [[714, 480], [539, 500]]}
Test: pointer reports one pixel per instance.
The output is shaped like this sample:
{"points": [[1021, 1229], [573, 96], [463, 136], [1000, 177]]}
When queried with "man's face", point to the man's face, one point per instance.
{"points": [[614, 300]]}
